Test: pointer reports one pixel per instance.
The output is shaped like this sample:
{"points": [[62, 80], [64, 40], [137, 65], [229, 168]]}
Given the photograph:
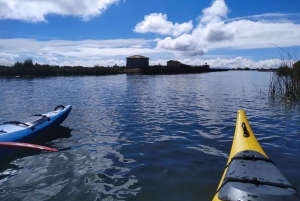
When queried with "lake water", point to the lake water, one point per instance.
{"points": [[137, 137]]}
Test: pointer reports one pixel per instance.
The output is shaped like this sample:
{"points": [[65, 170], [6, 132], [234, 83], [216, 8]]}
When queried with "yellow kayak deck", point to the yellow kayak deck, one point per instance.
{"points": [[245, 169]]}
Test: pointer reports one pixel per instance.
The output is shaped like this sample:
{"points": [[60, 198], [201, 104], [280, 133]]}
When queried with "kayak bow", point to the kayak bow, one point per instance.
{"points": [[25, 130], [249, 173]]}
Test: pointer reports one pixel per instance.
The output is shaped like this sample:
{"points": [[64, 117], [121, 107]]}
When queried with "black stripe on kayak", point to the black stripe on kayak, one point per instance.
{"points": [[255, 181], [252, 176], [250, 157]]}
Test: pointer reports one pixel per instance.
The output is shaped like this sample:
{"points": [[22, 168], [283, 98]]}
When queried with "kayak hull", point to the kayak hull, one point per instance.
{"points": [[27, 129], [249, 173]]}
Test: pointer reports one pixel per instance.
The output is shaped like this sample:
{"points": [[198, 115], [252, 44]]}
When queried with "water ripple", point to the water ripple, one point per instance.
{"points": [[136, 137], [209, 150]]}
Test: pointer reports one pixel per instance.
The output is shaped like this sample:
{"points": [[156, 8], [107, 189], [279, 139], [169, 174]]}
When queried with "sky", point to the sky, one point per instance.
{"points": [[221, 33]]}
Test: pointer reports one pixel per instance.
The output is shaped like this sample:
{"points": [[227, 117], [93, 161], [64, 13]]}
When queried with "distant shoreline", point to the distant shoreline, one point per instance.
{"points": [[28, 69], [97, 71]]}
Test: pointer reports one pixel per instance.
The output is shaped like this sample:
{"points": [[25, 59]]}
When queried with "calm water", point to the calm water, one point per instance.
{"points": [[135, 137]]}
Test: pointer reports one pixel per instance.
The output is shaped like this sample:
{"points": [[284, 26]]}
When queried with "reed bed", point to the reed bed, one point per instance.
{"points": [[285, 83]]}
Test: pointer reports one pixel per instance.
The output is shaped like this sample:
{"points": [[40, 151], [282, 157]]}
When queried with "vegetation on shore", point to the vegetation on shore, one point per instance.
{"points": [[285, 83], [183, 69], [28, 68]]}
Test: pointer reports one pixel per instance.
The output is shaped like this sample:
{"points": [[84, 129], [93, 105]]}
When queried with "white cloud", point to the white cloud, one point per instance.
{"points": [[183, 45], [215, 31], [85, 52], [157, 23], [270, 17], [35, 11], [91, 63], [215, 13], [9, 56], [6, 62]]}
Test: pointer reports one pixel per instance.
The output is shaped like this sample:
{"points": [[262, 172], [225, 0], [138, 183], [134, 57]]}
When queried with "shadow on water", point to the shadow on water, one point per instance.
{"points": [[7, 169], [48, 139]]}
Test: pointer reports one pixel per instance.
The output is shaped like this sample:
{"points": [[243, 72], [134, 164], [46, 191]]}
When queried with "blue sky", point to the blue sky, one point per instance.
{"points": [[104, 32]]}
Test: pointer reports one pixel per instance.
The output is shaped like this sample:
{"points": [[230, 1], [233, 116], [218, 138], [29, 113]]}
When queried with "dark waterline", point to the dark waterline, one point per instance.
{"points": [[135, 137]]}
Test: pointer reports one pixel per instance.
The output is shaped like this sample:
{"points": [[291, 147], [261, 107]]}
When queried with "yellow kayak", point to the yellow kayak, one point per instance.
{"points": [[249, 173]]}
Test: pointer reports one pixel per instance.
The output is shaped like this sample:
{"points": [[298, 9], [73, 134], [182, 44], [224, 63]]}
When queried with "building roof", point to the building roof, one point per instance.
{"points": [[174, 61], [137, 57]]}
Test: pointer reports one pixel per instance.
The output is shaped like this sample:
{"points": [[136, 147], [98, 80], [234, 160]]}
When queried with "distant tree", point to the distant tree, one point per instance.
{"points": [[18, 64], [28, 63]]}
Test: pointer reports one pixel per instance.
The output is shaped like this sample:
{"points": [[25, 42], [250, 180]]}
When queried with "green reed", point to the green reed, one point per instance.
{"points": [[285, 83]]}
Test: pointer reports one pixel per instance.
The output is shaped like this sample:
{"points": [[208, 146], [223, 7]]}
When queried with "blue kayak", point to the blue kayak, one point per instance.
{"points": [[27, 129]]}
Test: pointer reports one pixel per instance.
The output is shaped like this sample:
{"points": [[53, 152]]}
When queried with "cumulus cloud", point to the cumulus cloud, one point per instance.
{"points": [[35, 11], [184, 45], [215, 13], [216, 31], [158, 23]]}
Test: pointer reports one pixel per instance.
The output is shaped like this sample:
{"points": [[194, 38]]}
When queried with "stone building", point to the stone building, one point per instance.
{"points": [[173, 63], [136, 61]]}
